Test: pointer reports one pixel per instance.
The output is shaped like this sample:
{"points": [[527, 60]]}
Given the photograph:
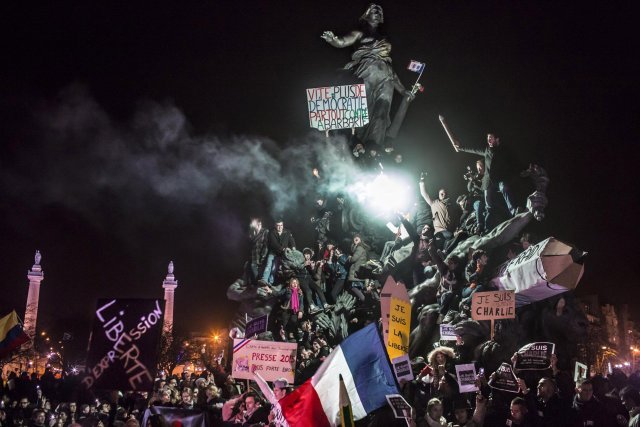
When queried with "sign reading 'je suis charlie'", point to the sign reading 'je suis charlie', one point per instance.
{"points": [[493, 305]]}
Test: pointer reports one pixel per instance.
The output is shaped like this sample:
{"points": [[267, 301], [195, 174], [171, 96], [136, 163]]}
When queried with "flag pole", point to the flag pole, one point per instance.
{"points": [[420, 75], [416, 85], [448, 131]]}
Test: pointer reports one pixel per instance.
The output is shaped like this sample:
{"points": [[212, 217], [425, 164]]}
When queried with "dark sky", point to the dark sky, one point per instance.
{"points": [[124, 130]]}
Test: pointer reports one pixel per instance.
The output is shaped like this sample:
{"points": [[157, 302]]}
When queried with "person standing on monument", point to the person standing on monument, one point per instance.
{"points": [[278, 241], [258, 241], [498, 170]]}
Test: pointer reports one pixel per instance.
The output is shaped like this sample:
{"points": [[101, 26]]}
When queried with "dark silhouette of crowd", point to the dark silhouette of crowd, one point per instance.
{"points": [[320, 293]]}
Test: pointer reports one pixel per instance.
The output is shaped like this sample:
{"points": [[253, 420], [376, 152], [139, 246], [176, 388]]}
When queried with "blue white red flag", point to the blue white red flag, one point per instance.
{"points": [[415, 66], [362, 361]]}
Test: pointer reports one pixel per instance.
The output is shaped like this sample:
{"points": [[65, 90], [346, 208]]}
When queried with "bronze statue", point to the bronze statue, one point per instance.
{"points": [[371, 61]]}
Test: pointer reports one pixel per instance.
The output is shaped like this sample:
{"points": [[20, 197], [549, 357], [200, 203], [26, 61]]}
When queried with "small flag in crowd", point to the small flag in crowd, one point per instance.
{"points": [[11, 334], [415, 66], [362, 361]]}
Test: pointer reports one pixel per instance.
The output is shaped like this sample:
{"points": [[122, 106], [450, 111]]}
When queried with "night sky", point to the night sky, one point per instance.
{"points": [[124, 130]]}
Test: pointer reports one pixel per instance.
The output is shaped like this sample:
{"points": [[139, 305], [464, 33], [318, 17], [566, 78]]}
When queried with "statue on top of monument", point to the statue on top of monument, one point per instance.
{"points": [[371, 61], [37, 258], [170, 268]]}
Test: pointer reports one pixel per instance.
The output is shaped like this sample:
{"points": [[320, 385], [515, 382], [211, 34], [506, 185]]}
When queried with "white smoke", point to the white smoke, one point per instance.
{"points": [[88, 155]]}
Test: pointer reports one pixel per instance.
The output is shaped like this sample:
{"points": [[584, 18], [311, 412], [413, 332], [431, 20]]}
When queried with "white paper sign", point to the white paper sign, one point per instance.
{"points": [[466, 377], [337, 107], [270, 359], [447, 333], [402, 368]]}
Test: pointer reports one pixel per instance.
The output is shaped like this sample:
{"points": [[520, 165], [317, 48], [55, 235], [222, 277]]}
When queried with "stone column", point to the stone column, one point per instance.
{"points": [[170, 284], [35, 276]]}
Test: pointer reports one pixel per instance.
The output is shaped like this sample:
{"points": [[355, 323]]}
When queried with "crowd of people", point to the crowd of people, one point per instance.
{"points": [[341, 275], [338, 268], [355, 265], [548, 398]]}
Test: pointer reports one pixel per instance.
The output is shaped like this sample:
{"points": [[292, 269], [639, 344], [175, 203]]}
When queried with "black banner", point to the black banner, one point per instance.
{"points": [[123, 349], [534, 356], [504, 379]]}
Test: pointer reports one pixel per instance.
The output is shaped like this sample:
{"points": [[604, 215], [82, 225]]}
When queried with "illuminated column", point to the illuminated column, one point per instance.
{"points": [[35, 276], [170, 284]]}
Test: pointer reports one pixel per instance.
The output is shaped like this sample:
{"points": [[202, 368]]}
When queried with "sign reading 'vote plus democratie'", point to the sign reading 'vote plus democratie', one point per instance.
{"points": [[270, 359], [493, 305], [337, 107]]}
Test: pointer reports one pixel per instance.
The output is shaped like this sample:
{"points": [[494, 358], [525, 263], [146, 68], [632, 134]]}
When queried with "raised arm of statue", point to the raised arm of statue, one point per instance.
{"points": [[347, 40]]}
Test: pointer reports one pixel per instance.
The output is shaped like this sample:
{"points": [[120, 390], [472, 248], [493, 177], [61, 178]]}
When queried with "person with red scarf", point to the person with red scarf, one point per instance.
{"points": [[291, 308]]}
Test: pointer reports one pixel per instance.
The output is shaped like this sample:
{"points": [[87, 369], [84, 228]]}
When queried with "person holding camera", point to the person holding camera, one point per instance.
{"points": [[475, 194], [498, 164]]}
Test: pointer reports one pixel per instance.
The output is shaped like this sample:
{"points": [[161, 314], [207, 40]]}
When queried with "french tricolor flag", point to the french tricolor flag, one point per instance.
{"points": [[416, 66], [362, 361]]}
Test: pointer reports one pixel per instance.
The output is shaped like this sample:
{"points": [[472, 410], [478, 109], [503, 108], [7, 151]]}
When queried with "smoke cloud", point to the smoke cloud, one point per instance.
{"points": [[91, 162]]}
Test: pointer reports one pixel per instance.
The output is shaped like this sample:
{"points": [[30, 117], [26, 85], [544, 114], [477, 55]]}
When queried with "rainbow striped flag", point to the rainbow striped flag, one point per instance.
{"points": [[11, 334]]}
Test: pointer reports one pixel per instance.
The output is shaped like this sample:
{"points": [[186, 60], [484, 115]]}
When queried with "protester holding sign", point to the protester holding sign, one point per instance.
{"points": [[552, 411], [441, 360]]}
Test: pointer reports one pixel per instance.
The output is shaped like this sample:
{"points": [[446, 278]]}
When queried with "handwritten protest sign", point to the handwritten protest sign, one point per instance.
{"points": [[399, 328], [337, 107], [534, 356], [394, 301], [447, 332], [504, 379], [493, 305], [271, 359], [123, 351], [256, 326], [466, 377]]}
